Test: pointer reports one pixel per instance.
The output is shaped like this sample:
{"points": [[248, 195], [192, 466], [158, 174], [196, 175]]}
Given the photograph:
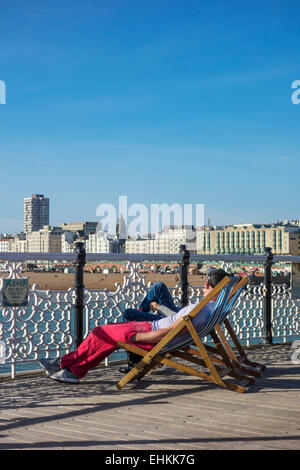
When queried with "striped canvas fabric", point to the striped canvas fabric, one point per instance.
{"points": [[221, 309]]}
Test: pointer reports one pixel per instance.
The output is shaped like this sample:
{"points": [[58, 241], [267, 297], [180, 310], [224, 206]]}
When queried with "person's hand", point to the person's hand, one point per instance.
{"points": [[154, 306]]}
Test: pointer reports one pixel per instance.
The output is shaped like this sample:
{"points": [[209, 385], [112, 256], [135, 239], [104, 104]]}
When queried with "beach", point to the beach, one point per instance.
{"points": [[63, 281]]}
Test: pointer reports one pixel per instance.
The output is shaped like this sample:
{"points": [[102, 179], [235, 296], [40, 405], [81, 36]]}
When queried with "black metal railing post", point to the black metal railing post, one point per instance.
{"points": [[79, 287], [268, 339], [184, 270]]}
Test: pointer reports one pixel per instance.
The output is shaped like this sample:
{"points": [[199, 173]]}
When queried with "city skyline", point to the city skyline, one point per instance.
{"points": [[282, 238], [207, 220], [167, 102]]}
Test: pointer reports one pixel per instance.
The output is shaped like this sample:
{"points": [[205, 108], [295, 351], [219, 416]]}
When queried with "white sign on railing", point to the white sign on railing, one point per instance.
{"points": [[15, 292]]}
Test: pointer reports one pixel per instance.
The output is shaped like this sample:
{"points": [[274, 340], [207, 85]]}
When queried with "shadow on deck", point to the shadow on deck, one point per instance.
{"points": [[167, 410]]}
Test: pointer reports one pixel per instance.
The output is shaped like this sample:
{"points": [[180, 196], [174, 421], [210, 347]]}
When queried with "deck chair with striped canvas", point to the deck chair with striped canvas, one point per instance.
{"points": [[190, 347], [222, 353]]}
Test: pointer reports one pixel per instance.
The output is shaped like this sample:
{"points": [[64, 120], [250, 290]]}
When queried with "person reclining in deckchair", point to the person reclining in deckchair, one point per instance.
{"points": [[103, 340], [158, 300]]}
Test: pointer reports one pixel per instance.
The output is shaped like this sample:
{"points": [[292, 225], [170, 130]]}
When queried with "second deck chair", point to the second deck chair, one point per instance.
{"points": [[222, 353], [175, 345]]}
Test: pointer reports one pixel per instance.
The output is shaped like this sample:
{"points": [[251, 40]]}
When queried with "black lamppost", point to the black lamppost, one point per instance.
{"points": [[268, 296], [184, 267], [79, 287]]}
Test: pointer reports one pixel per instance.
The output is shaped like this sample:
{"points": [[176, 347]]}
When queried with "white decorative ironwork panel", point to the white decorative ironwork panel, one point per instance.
{"points": [[286, 314], [41, 329], [246, 316], [46, 327]]}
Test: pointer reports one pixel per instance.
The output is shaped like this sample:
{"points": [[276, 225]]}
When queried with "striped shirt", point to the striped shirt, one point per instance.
{"points": [[199, 319]]}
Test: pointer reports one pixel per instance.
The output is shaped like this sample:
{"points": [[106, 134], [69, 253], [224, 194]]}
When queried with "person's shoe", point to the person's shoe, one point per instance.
{"points": [[65, 376], [133, 359], [125, 370], [50, 365]]}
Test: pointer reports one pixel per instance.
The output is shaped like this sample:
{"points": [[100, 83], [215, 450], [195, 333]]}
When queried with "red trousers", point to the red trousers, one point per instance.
{"points": [[101, 342]]}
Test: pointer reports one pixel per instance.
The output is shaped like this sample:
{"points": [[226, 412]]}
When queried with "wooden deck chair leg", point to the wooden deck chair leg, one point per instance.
{"points": [[146, 365], [138, 367], [243, 359], [218, 357], [212, 354], [191, 371], [229, 356], [215, 374], [232, 357], [220, 347], [148, 369], [151, 367], [210, 378], [192, 356]]}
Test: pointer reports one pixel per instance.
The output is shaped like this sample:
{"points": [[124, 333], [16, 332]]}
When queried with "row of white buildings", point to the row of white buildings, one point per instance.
{"points": [[237, 239], [40, 237], [58, 239]]}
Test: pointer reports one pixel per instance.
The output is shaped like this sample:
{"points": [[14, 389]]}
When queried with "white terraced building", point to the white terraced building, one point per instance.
{"points": [[99, 242], [166, 241], [284, 239], [5, 244], [46, 240]]}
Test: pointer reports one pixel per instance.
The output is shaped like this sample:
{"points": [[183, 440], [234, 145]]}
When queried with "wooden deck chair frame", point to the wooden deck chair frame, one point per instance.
{"points": [[220, 363], [224, 354]]}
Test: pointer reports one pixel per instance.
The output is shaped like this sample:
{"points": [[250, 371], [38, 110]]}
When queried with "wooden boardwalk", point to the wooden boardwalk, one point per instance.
{"points": [[165, 411]]}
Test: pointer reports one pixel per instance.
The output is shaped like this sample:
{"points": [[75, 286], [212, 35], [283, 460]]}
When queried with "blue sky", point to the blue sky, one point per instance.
{"points": [[163, 101]]}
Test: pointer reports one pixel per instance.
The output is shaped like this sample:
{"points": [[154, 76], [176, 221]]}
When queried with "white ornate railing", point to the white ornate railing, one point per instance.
{"points": [[286, 314], [45, 328], [41, 328]]}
